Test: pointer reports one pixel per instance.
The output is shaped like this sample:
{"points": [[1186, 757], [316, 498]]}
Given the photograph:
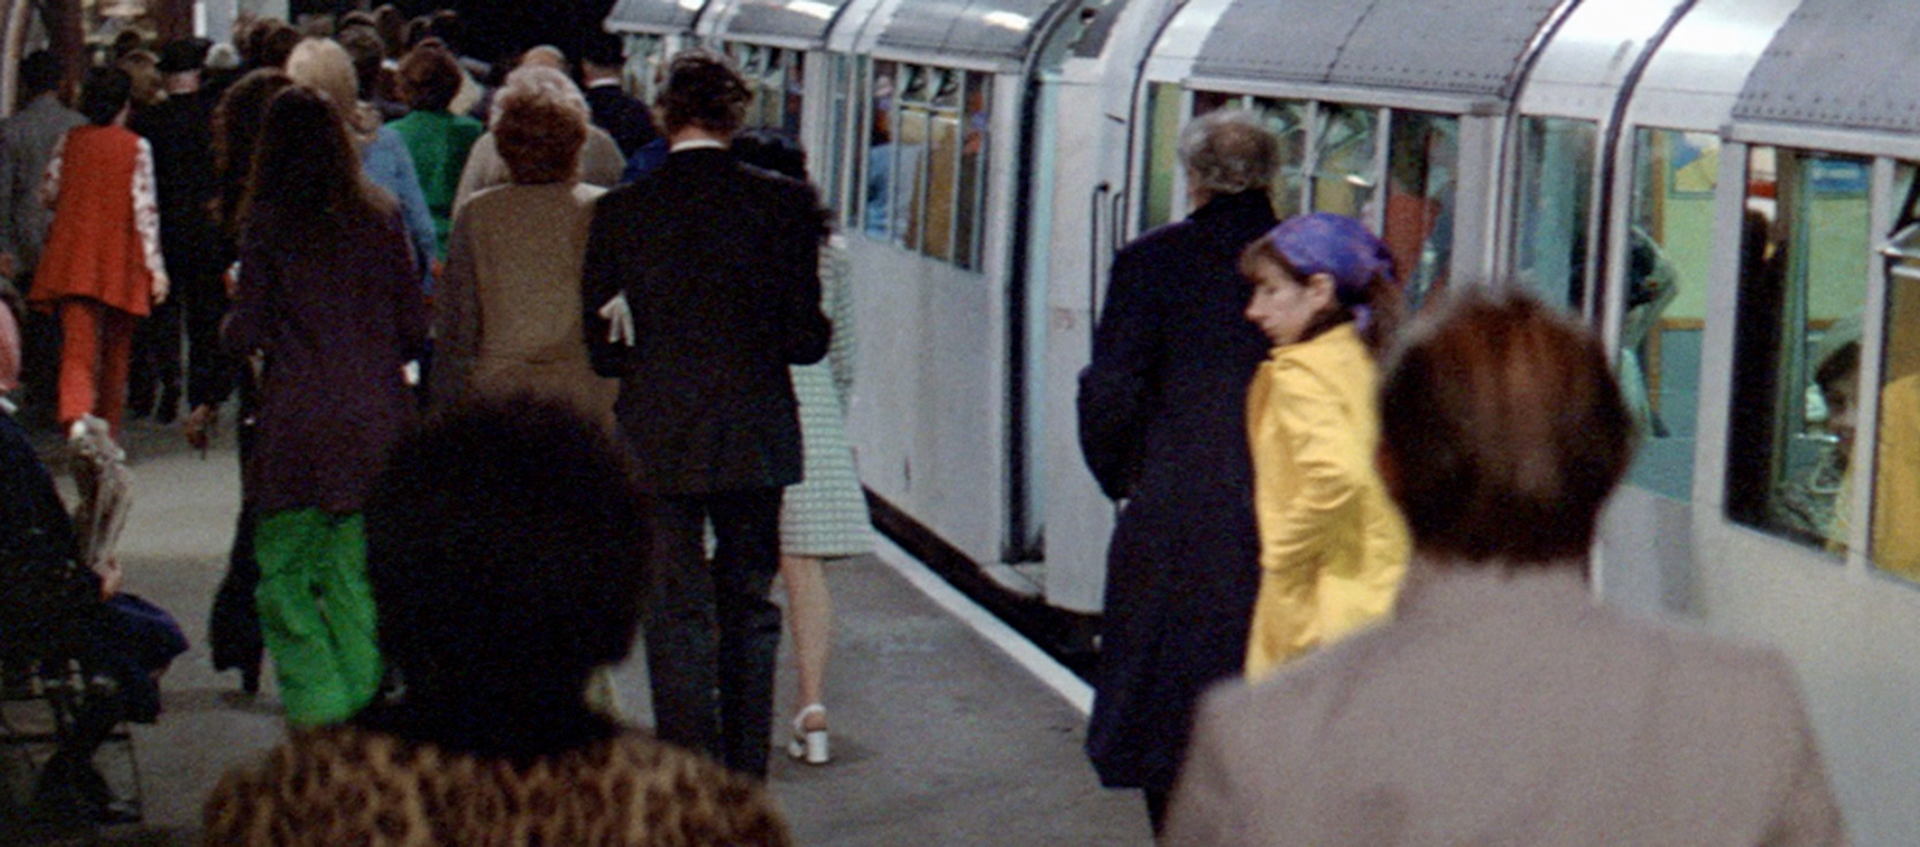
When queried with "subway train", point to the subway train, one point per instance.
{"points": [[1726, 189]]}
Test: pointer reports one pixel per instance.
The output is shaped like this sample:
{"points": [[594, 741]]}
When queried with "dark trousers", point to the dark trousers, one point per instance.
{"points": [[711, 632]]}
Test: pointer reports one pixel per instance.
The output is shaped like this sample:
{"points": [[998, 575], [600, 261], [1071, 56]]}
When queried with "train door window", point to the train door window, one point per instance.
{"points": [[1163, 153], [1894, 543], [943, 163], [1554, 204], [877, 208], [1669, 251], [1346, 146], [1423, 152], [970, 215], [1803, 282], [1289, 120], [831, 164]]}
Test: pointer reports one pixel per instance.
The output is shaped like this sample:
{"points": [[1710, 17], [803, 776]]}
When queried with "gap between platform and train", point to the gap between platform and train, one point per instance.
{"points": [[1016, 646]]}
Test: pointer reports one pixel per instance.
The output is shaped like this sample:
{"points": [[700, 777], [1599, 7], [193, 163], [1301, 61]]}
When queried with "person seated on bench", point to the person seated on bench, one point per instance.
{"points": [[54, 609]]}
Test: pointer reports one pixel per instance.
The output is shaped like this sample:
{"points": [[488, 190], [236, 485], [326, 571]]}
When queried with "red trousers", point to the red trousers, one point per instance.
{"points": [[96, 346]]}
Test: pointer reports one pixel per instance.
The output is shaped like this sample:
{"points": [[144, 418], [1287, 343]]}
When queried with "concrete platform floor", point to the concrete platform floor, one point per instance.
{"points": [[940, 738]]}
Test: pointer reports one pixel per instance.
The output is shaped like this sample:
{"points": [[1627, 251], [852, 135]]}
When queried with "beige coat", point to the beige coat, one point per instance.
{"points": [[1503, 708], [508, 317]]}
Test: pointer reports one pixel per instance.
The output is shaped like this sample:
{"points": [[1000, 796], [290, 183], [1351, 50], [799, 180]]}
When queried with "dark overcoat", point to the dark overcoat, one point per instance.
{"points": [[705, 395], [1163, 427]]}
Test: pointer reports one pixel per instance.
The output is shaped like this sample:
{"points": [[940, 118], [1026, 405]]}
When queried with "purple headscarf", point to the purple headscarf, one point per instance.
{"points": [[1335, 245]]}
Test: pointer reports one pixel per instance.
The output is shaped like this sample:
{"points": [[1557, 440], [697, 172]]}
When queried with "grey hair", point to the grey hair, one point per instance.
{"points": [[549, 82], [1228, 151]]}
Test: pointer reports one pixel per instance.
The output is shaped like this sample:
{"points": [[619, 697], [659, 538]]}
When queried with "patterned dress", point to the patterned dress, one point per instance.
{"points": [[825, 515]]}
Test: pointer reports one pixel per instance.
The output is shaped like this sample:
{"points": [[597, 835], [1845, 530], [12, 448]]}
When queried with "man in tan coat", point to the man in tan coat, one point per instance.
{"points": [[1500, 705]]}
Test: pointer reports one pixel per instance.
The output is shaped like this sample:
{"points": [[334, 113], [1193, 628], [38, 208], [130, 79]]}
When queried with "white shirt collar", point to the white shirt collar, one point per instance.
{"points": [[697, 144], [605, 82]]}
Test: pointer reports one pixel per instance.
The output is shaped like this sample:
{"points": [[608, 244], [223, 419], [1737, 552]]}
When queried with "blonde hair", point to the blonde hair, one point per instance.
{"points": [[555, 85], [324, 66]]}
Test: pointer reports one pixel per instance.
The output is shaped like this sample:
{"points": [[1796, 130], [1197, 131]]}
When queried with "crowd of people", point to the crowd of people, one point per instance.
{"points": [[525, 366]]}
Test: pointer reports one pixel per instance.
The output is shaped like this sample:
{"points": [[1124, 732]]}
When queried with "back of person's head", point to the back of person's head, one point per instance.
{"points": [[1502, 431], [772, 150], [554, 83], [236, 129], [430, 77], [603, 50], [1227, 151], [324, 66], [104, 93], [539, 132], [365, 49], [703, 90], [40, 73], [270, 42], [392, 25], [543, 55], [506, 549], [143, 68], [306, 167]]}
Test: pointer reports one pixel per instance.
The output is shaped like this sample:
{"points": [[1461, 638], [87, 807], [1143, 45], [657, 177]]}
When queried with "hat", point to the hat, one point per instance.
{"points": [[1335, 245], [182, 55]]}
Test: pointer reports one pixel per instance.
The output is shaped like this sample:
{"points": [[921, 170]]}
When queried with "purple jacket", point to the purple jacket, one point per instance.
{"points": [[336, 315]]}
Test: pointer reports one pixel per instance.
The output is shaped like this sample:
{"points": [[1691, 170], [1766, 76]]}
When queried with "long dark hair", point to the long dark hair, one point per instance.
{"points": [[306, 169]]}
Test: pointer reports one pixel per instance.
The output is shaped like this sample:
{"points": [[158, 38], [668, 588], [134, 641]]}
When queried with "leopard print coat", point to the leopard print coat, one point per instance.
{"points": [[344, 785]]}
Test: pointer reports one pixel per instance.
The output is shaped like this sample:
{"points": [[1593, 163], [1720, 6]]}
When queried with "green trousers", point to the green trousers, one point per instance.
{"points": [[316, 613]]}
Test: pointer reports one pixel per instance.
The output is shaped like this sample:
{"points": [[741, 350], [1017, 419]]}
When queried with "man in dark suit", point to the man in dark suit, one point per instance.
{"points": [[623, 116], [719, 264]]}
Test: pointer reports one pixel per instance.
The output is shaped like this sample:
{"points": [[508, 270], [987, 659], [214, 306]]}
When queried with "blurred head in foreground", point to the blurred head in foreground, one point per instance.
{"points": [[1502, 430]]}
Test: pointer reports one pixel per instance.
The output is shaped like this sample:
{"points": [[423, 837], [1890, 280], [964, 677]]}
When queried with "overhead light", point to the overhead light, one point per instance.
{"points": [[1008, 20], [692, 5], [812, 9]]}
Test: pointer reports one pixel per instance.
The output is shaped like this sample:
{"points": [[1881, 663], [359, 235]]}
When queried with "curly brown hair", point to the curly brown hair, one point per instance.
{"points": [[704, 90], [430, 77], [538, 134]]}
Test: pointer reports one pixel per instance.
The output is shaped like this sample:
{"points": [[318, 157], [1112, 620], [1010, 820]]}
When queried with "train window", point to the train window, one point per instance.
{"points": [[1554, 205], [778, 82], [830, 165], [969, 227], [1423, 151], [1344, 173], [1894, 545], [1288, 119], [1163, 157], [877, 207], [926, 160], [1669, 249], [1803, 280]]}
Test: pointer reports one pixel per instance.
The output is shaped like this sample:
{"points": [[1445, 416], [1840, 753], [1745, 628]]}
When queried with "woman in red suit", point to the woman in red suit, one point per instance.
{"points": [[102, 270]]}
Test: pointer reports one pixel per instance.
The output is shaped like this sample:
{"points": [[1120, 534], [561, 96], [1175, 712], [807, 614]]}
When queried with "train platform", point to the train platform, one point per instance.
{"points": [[948, 729]]}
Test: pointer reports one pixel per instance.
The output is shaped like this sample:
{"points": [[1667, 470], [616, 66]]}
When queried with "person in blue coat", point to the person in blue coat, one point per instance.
{"points": [[1163, 427]]}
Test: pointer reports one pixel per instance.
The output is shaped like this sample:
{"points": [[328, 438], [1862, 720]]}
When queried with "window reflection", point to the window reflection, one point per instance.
{"points": [[1555, 203], [1422, 159], [1895, 540], [1288, 120], [1669, 249], [1344, 173], [1797, 348]]}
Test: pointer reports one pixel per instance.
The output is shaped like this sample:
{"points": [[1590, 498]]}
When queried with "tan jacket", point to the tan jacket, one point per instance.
{"points": [[1332, 545], [1504, 708]]}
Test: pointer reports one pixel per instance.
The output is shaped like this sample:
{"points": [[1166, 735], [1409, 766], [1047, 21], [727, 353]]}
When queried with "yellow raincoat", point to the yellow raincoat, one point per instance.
{"points": [[1332, 545]]}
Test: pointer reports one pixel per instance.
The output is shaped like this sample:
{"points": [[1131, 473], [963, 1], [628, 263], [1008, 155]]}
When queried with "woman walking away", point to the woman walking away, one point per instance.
{"points": [[1332, 546], [328, 293], [1163, 423], [825, 516], [509, 315], [101, 270]]}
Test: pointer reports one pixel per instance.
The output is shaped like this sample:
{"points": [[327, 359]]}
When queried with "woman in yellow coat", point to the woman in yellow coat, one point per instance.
{"points": [[1332, 545]]}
